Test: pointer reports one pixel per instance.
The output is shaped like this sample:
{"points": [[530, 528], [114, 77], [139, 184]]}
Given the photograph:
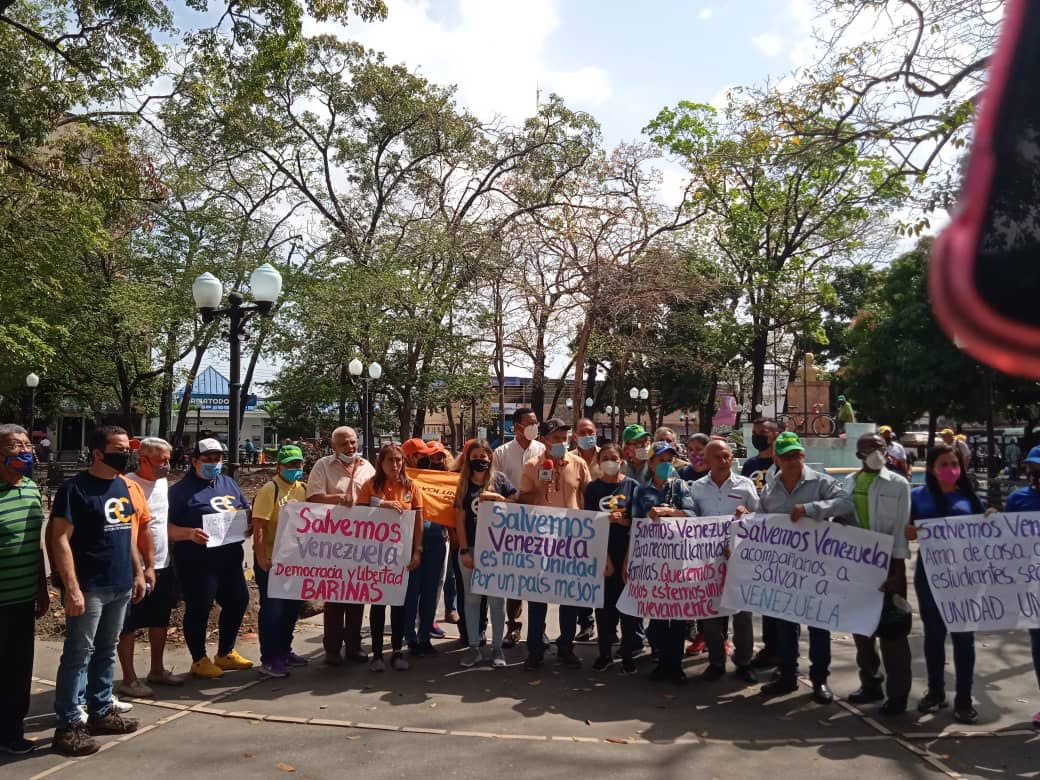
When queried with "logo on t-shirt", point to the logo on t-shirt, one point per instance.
{"points": [[222, 503], [613, 503], [114, 510]]}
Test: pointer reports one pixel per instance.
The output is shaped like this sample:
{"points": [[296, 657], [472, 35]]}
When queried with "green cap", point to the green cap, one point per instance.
{"points": [[289, 453], [633, 433], [786, 442]]}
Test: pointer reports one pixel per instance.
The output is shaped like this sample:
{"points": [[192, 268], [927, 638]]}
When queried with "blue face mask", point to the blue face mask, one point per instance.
{"points": [[558, 450], [292, 475], [22, 462], [664, 471], [211, 470], [587, 442]]}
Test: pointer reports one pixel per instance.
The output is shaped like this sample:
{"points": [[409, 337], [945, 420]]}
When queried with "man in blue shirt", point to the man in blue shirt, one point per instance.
{"points": [[1028, 500], [94, 525]]}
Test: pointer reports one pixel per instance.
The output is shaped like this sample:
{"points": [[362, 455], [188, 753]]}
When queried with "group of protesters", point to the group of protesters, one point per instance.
{"points": [[125, 548]]}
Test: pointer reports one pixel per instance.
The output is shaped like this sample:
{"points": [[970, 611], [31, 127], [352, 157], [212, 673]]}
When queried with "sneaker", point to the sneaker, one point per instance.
{"points": [[568, 659], [697, 645], [602, 663], [166, 677], [233, 662], [437, 632], [75, 741], [932, 702], [335, 659], [18, 747], [399, 663], [534, 661], [83, 714], [712, 673], [746, 675], [866, 694], [472, 657], [965, 712], [892, 707], [135, 688], [628, 666], [121, 706], [585, 633], [111, 723], [206, 669], [764, 660], [426, 648], [296, 660], [276, 668], [498, 661], [377, 664], [512, 638], [358, 657]]}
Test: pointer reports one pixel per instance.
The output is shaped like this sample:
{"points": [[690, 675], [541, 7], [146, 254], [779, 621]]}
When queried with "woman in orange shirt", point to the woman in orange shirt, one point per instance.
{"points": [[391, 488]]}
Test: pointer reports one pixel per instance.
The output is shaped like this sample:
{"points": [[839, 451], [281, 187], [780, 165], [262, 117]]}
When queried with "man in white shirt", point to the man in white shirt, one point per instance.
{"points": [[153, 611], [509, 459], [337, 479], [721, 493], [895, 453]]}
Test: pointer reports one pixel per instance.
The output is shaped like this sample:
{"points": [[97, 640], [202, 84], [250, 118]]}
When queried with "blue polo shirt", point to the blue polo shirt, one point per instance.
{"points": [[923, 507], [102, 517], [193, 497], [1024, 500], [674, 493]]}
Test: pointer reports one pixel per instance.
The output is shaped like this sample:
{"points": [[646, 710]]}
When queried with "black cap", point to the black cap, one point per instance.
{"points": [[552, 425]]}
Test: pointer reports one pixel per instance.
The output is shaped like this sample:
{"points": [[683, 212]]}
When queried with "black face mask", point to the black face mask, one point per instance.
{"points": [[479, 465], [423, 463], [116, 460], [760, 441]]}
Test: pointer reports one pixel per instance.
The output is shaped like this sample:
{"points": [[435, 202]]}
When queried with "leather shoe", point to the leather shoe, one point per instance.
{"points": [[865, 695], [892, 707], [780, 687], [746, 675], [822, 694], [763, 660]]}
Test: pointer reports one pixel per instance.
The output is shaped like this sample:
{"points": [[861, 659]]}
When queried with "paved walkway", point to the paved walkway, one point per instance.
{"points": [[324, 722]]}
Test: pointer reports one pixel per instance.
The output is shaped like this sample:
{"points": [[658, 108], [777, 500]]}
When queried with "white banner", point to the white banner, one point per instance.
{"points": [[225, 527], [984, 572], [676, 568], [543, 554], [355, 555], [810, 572]]}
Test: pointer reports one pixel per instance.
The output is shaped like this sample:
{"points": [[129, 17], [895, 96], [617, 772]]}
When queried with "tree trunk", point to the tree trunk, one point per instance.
{"points": [[500, 360], [933, 424], [261, 336], [579, 365], [538, 370], [759, 351], [189, 381], [166, 393], [707, 410]]}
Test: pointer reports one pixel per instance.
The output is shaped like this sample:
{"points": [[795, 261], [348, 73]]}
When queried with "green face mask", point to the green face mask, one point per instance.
{"points": [[292, 475]]}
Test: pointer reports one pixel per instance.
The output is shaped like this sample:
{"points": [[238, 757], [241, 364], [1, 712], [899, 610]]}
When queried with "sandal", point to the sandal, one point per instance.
{"points": [[166, 678]]}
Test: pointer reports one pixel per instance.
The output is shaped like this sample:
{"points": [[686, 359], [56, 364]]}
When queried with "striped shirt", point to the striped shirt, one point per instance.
{"points": [[21, 521]]}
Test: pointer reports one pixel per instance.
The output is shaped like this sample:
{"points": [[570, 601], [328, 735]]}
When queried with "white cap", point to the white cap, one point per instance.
{"points": [[208, 445]]}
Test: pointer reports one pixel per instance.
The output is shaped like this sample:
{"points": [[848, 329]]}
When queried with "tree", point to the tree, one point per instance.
{"points": [[779, 216]]}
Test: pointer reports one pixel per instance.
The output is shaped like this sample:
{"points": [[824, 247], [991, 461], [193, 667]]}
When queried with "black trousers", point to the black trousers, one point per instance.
{"points": [[377, 624], [212, 575], [17, 636]]}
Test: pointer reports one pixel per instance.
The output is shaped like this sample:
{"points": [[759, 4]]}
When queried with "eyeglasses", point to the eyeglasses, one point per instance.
{"points": [[19, 447]]}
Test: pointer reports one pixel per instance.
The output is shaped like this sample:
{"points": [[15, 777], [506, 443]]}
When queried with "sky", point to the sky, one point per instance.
{"points": [[620, 61]]}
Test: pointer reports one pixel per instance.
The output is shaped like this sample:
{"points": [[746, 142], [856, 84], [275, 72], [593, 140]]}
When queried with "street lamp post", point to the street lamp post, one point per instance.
{"points": [[639, 394], [569, 403], [32, 382], [685, 417], [355, 367], [609, 409], [266, 285]]}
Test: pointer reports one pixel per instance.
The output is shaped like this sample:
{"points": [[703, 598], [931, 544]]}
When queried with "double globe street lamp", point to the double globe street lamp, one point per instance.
{"points": [[639, 394], [265, 283], [355, 369]]}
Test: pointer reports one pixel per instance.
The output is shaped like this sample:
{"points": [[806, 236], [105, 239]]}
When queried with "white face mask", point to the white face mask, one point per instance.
{"points": [[875, 461], [531, 432], [610, 467], [643, 453], [348, 459]]}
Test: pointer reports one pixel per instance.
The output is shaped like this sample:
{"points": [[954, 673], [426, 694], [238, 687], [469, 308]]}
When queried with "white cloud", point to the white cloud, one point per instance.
{"points": [[769, 44], [705, 14], [495, 52]]}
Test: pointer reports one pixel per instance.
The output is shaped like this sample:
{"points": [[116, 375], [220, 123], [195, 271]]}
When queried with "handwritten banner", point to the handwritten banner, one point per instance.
{"points": [[810, 572], [225, 527], [438, 490], [536, 553], [354, 555], [984, 572], [676, 568]]}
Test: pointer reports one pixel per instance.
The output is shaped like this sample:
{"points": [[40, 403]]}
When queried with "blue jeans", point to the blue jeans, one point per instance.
{"points": [[423, 584], [787, 634], [474, 604], [276, 621], [90, 651], [536, 612], [1034, 636], [935, 643]]}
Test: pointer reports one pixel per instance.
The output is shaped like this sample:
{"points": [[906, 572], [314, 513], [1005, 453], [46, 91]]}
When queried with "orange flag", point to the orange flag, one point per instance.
{"points": [[438, 488]]}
